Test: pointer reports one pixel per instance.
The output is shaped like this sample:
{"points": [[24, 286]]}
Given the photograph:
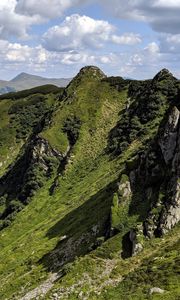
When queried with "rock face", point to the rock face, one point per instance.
{"points": [[167, 141], [40, 150], [171, 213], [156, 179], [134, 236], [124, 188]]}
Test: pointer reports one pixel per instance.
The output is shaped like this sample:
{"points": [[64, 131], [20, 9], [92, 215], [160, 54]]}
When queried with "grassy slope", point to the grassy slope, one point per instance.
{"points": [[25, 242], [8, 141], [9, 146], [81, 199], [103, 274]]}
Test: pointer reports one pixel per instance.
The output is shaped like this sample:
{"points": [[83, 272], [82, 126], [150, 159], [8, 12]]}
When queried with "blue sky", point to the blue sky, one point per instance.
{"points": [[55, 38]]}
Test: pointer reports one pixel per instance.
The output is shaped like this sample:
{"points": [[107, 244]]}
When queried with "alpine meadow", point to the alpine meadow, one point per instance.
{"points": [[89, 189]]}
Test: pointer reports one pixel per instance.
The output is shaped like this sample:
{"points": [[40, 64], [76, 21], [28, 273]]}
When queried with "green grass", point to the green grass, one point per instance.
{"points": [[90, 172], [8, 146], [86, 197]]}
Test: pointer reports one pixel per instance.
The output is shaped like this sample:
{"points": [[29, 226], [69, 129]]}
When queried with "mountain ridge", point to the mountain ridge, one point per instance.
{"points": [[26, 81], [89, 190]]}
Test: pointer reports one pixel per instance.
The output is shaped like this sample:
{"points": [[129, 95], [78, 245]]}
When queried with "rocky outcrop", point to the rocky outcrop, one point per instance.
{"points": [[93, 70], [165, 213], [171, 211], [40, 150], [156, 290], [36, 163], [155, 180], [124, 187], [135, 237], [167, 141]]}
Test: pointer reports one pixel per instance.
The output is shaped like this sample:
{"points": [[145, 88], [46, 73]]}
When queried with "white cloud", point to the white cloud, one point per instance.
{"points": [[14, 24], [143, 63], [45, 8], [136, 59], [49, 9], [81, 40], [162, 15], [22, 54], [77, 32], [18, 16], [81, 32], [168, 4], [24, 57], [127, 39], [7, 5], [76, 58], [105, 59], [152, 48], [17, 53], [170, 43]]}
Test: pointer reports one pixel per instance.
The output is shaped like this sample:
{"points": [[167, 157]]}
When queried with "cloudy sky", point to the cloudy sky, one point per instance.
{"points": [[55, 38]]}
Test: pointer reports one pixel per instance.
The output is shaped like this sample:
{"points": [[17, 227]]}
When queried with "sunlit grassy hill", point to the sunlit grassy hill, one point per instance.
{"points": [[82, 177]]}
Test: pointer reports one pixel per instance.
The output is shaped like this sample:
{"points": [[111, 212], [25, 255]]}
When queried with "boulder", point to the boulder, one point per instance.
{"points": [[156, 290]]}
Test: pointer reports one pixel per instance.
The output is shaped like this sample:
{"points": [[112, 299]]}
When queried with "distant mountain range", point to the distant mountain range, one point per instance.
{"points": [[26, 81]]}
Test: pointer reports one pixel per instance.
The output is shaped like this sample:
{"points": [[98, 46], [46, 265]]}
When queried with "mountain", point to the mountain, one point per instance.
{"points": [[89, 189], [26, 81], [6, 89]]}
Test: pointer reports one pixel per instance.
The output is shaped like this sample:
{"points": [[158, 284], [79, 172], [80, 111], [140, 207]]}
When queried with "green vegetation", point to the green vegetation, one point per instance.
{"points": [[160, 269], [81, 229], [44, 89], [148, 101], [71, 128], [27, 115]]}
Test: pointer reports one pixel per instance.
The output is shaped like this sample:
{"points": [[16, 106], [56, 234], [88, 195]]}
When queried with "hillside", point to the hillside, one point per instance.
{"points": [[89, 189], [26, 81]]}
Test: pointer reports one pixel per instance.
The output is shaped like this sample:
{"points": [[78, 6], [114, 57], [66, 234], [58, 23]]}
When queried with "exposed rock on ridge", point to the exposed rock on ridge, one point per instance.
{"points": [[95, 71], [159, 174], [167, 141]]}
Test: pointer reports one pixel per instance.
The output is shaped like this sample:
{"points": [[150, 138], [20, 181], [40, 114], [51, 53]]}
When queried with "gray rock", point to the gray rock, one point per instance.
{"points": [[156, 290], [167, 142], [134, 238], [171, 215], [125, 188]]}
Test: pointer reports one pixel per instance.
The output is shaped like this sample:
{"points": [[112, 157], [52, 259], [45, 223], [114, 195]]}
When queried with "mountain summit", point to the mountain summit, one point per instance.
{"points": [[23, 76], [164, 73], [92, 71]]}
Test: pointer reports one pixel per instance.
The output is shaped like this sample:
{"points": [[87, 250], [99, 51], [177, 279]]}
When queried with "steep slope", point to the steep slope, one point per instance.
{"points": [[101, 155], [21, 114]]}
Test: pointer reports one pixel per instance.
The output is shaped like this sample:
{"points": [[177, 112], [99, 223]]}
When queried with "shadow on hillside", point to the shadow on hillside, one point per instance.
{"points": [[110, 148], [126, 246], [80, 229]]}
